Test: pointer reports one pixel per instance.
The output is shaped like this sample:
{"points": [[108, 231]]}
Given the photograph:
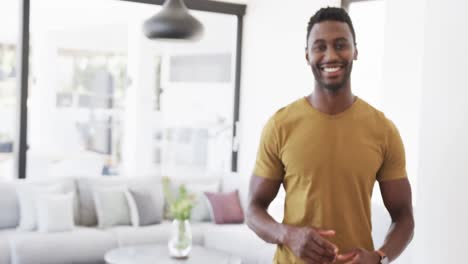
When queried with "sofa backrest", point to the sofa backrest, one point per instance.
{"points": [[83, 187]]}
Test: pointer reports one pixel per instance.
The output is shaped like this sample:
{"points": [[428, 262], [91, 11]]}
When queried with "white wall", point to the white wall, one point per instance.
{"points": [[403, 64], [442, 212], [369, 23], [274, 69], [402, 87]]}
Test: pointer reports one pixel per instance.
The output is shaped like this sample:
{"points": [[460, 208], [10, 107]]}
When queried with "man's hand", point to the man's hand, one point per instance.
{"points": [[310, 244], [360, 256]]}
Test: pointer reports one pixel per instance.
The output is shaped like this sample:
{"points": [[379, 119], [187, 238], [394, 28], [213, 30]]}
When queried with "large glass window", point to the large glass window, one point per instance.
{"points": [[104, 100], [9, 17]]}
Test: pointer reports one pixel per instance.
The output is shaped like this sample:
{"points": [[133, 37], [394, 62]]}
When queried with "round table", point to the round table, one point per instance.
{"points": [[159, 254]]}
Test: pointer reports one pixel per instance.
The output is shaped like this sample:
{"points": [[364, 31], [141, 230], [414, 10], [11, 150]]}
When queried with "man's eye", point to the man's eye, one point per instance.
{"points": [[320, 48], [340, 46]]}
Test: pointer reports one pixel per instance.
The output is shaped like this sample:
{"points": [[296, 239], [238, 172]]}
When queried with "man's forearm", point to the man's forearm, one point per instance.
{"points": [[265, 226], [398, 237]]}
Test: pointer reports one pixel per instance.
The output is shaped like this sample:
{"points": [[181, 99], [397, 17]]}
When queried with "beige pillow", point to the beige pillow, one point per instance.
{"points": [[112, 207], [55, 212]]}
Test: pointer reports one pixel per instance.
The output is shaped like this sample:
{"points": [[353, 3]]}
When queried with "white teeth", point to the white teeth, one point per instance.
{"points": [[335, 69]]}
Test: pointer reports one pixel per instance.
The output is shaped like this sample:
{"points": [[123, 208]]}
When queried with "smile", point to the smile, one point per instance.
{"points": [[331, 68]]}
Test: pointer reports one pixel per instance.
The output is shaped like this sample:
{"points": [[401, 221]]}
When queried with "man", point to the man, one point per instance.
{"points": [[328, 149]]}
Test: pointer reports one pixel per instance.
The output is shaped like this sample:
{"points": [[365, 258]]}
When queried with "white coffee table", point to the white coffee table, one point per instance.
{"points": [[159, 254]]}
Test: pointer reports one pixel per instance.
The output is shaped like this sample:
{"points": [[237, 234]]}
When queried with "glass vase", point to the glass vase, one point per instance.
{"points": [[180, 242]]}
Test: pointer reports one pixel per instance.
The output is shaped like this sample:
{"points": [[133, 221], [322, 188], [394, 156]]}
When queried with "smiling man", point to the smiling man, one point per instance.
{"points": [[327, 150]]}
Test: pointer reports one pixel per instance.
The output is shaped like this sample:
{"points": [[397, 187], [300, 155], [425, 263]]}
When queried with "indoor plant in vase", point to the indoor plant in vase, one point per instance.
{"points": [[180, 207]]}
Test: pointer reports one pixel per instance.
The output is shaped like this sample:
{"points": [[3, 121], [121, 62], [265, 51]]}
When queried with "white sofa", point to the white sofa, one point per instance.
{"points": [[88, 244]]}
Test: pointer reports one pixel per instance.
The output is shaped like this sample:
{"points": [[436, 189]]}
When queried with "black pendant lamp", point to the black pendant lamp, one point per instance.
{"points": [[173, 22]]}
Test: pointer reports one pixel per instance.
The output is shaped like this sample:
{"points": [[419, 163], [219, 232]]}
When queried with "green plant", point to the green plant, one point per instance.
{"points": [[181, 204]]}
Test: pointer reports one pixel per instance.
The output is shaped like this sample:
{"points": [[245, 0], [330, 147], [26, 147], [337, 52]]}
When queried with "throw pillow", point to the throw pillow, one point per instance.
{"points": [[226, 207], [55, 212], [86, 186], [111, 207], [145, 207], [27, 194]]}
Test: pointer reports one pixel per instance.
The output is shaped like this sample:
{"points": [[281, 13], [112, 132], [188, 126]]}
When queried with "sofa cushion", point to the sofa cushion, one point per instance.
{"points": [[86, 186], [155, 234], [28, 195], [8, 203], [67, 185], [226, 207], [55, 212], [111, 206], [82, 245], [145, 208]]}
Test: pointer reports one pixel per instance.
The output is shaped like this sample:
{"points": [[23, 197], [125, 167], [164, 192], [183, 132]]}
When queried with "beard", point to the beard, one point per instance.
{"points": [[333, 87]]}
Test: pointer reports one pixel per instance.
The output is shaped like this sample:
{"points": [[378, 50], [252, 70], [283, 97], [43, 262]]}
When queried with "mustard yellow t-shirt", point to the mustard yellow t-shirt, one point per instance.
{"points": [[328, 165]]}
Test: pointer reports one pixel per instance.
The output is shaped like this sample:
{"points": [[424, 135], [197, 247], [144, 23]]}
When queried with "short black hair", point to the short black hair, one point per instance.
{"points": [[330, 14]]}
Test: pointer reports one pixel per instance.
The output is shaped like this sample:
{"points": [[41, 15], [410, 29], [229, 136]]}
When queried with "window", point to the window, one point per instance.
{"points": [[105, 100], [9, 15]]}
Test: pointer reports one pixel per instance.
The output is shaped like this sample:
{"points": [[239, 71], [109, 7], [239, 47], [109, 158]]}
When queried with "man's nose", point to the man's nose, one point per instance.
{"points": [[331, 54]]}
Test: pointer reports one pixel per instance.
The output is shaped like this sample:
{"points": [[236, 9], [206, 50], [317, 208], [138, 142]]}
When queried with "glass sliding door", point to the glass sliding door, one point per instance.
{"points": [[104, 100], [10, 18], [79, 74]]}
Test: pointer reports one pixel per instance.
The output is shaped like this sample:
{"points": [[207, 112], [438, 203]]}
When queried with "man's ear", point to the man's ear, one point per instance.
{"points": [[307, 56], [355, 54]]}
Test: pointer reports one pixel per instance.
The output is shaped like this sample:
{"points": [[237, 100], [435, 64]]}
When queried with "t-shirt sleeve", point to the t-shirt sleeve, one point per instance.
{"points": [[268, 164], [394, 162]]}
